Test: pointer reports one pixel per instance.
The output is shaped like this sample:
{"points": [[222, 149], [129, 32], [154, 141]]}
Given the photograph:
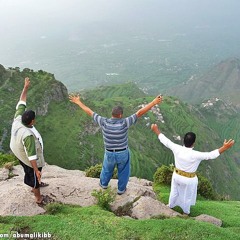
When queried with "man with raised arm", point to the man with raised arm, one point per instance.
{"points": [[26, 144], [115, 137], [184, 179]]}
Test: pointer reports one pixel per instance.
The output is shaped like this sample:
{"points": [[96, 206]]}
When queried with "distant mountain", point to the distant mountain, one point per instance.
{"points": [[73, 141], [221, 81]]}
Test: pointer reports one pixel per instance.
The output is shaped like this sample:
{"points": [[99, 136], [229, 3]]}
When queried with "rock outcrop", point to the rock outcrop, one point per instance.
{"points": [[73, 187]]}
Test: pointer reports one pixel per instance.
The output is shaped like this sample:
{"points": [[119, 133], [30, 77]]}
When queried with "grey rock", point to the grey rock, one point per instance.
{"points": [[209, 219], [147, 207]]}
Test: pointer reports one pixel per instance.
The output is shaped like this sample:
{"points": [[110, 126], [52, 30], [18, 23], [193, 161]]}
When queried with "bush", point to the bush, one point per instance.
{"points": [[95, 171], [53, 208], [9, 165], [205, 188], [104, 197], [163, 175], [7, 158]]}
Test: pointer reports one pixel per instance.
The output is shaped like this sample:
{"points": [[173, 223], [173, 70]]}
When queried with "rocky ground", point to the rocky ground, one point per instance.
{"points": [[73, 187]]}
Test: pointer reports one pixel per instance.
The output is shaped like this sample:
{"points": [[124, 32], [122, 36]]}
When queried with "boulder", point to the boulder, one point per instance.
{"points": [[209, 219]]}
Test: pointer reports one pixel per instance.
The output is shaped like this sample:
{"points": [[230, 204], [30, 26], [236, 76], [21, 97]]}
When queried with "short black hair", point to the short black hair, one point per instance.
{"points": [[27, 117], [116, 111], [189, 139]]}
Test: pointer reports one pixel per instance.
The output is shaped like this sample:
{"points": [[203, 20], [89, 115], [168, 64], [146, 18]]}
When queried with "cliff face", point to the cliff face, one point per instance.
{"points": [[58, 93], [43, 91]]}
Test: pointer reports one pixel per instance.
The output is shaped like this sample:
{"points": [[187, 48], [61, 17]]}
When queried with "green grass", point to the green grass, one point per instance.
{"points": [[73, 222]]}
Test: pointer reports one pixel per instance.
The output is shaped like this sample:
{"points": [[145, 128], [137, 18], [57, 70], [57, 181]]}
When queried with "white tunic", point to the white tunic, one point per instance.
{"points": [[183, 189]]}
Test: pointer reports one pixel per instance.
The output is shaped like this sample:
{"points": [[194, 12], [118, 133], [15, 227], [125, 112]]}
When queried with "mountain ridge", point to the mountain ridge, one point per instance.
{"points": [[71, 140], [221, 81]]}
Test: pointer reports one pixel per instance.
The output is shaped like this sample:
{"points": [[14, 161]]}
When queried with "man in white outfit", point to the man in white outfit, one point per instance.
{"points": [[184, 180]]}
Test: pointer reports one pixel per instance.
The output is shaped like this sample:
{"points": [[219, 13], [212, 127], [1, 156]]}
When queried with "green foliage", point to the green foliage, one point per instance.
{"points": [[9, 165], [104, 197], [8, 160], [95, 171], [53, 208], [163, 175], [205, 188]]}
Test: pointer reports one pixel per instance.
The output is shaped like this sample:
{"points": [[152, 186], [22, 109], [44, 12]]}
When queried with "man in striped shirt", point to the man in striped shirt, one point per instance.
{"points": [[115, 136]]}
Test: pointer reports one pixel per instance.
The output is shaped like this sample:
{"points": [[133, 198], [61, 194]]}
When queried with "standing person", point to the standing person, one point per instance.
{"points": [[26, 144], [184, 180], [115, 137]]}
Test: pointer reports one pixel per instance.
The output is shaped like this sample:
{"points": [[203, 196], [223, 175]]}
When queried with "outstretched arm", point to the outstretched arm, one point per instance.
{"points": [[155, 129], [226, 145], [76, 100], [23, 96], [145, 109]]}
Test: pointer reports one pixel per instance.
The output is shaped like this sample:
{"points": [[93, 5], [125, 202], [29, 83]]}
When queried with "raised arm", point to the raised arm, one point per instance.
{"points": [[155, 129], [145, 109], [226, 145], [76, 100], [23, 96]]}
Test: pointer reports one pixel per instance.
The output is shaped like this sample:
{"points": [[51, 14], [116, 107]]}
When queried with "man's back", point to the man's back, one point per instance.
{"points": [[115, 130]]}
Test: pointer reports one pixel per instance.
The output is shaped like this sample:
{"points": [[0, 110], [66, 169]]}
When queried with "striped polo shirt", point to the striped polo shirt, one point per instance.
{"points": [[115, 130]]}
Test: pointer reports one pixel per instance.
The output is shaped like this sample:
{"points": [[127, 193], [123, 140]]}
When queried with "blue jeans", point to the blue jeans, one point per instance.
{"points": [[122, 161]]}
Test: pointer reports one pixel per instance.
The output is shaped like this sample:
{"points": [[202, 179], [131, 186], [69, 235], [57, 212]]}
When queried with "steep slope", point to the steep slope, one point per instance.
{"points": [[73, 141], [222, 81]]}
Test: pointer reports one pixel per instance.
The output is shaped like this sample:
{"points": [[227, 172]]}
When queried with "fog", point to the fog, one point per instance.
{"points": [[33, 32]]}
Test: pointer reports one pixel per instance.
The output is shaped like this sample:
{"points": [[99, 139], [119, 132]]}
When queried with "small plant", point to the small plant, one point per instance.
{"points": [[104, 197], [9, 165], [205, 188], [163, 175], [8, 158], [53, 208], [95, 171]]}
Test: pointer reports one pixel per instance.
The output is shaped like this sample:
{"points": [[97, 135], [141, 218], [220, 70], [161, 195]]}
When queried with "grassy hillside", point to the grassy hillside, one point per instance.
{"points": [[74, 223], [73, 141]]}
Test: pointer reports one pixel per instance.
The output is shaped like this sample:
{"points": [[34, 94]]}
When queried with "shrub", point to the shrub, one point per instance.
{"points": [[6, 158], [104, 197], [95, 171], [9, 165], [53, 208], [163, 175], [205, 188]]}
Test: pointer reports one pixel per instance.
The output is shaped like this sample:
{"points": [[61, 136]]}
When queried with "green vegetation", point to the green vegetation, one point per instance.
{"points": [[8, 160], [104, 197], [95, 171], [73, 141], [74, 223]]}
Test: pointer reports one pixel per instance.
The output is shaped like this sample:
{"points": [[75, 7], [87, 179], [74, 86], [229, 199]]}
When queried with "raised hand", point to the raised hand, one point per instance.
{"points": [[74, 98], [26, 82], [158, 99]]}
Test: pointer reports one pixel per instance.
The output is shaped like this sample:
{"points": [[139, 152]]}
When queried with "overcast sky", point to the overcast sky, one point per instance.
{"points": [[25, 23], [41, 16]]}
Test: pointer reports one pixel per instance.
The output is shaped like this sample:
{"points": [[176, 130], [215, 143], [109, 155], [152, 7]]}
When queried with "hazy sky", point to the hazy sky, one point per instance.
{"points": [[30, 27], [41, 17]]}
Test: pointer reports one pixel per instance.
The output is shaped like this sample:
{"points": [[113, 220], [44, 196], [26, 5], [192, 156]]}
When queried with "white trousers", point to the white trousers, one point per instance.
{"points": [[183, 192]]}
